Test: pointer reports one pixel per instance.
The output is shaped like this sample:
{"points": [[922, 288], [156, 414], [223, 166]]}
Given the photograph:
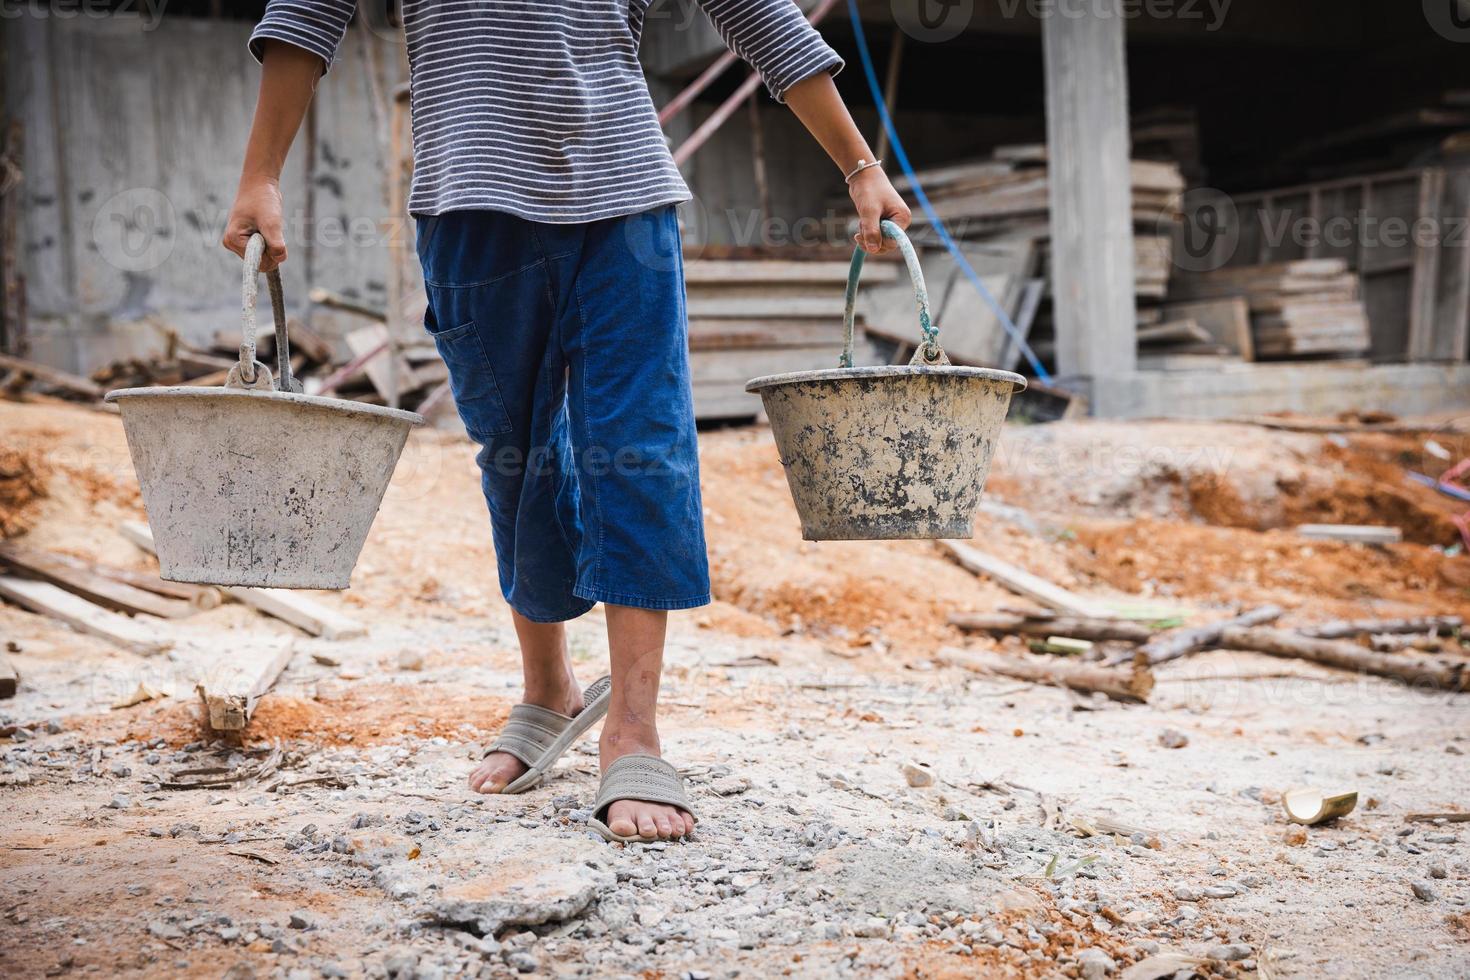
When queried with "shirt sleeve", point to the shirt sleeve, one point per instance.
{"points": [[313, 25], [776, 38]]}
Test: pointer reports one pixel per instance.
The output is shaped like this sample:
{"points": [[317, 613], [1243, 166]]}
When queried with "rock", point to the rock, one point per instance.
{"points": [[521, 962], [1438, 871], [411, 660], [333, 971], [873, 929], [1229, 952], [160, 929], [1296, 835], [1424, 891], [1171, 738], [1221, 891], [916, 775], [121, 770], [730, 786], [1188, 893], [1094, 963], [302, 919], [120, 801], [400, 963], [516, 892]]}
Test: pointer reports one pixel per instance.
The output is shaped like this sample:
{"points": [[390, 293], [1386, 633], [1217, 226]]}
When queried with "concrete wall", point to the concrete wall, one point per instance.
{"points": [[133, 136]]}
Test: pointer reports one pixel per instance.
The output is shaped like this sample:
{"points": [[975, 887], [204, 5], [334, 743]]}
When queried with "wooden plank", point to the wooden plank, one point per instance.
{"points": [[291, 607], [1357, 533], [379, 369], [232, 681], [1226, 320], [85, 580], [199, 596], [834, 274], [1022, 582], [1423, 291], [51, 376], [83, 616], [298, 610]]}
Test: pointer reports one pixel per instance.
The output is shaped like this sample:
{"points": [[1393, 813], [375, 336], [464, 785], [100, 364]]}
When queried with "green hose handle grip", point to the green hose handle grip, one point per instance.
{"points": [[929, 350]]}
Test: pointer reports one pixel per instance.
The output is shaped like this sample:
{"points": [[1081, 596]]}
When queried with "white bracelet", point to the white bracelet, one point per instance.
{"points": [[862, 165]]}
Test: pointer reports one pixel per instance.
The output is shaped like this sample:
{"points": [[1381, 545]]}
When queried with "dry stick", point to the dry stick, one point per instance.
{"points": [[1431, 817], [1182, 642], [1077, 627], [1133, 685], [1416, 671], [1338, 629]]}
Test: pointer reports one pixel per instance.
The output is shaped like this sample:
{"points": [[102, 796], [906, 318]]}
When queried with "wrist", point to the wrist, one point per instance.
{"points": [[863, 167]]}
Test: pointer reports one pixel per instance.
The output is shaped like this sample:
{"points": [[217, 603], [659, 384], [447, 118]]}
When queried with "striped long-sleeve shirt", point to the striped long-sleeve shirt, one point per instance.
{"points": [[540, 107]]}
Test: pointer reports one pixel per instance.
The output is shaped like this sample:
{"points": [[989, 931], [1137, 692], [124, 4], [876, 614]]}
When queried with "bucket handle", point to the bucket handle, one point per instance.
{"points": [[250, 373], [929, 352]]}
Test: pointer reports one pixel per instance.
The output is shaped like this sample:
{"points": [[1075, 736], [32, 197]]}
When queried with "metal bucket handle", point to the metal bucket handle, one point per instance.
{"points": [[929, 352], [250, 373]]}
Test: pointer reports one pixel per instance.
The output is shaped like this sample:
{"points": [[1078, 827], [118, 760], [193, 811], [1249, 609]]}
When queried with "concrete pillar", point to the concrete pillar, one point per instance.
{"points": [[1091, 194]]}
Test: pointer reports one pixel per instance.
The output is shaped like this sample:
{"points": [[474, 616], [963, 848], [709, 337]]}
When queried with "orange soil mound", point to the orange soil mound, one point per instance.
{"points": [[22, 483], [1214, 563]]}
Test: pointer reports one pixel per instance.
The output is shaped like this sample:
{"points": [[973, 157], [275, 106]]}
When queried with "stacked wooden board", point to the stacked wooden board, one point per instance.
{"points": [[754, 316], [999, 208], [1305, 307]]}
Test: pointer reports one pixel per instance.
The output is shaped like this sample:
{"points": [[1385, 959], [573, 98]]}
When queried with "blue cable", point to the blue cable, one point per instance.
{"points": [[923, 199]]}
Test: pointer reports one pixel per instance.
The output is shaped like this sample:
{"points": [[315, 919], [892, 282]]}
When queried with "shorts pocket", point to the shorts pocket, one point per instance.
{"points": [[472, 381]]}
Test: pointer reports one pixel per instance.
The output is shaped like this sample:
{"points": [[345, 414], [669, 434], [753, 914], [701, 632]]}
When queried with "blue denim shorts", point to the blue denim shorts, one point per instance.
{"points": [[567, 347]]}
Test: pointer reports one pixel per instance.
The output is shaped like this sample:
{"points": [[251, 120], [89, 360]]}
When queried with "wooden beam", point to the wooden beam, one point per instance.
{"points": [[1083, 629], [300, 611], [1439, 674], [1132, 685], [1182, 642], [1339, 629], [1022, 582], [232, 683], [83, 616], [86, 580]]}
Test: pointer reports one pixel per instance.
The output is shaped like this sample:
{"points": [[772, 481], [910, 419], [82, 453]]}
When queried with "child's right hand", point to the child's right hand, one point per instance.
{"points": [[257, 208]]}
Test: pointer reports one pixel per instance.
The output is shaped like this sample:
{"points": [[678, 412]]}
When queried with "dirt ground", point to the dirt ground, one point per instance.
{"points": [[341, 838]]}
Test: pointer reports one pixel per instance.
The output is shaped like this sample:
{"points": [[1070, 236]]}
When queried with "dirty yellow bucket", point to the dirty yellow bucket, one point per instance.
{"points": [[899, 451], [253, 482]]}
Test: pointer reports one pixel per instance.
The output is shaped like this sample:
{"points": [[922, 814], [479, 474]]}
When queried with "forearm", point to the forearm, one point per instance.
{"points": [[288, 79], [821, 110]]}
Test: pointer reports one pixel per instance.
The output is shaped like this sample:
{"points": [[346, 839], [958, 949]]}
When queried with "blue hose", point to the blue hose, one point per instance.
{"points": [[923, 199]]}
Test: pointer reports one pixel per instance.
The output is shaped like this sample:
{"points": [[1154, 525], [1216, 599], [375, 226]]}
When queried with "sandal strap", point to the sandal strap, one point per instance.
{"points": [[641, 777], [529, 732]]}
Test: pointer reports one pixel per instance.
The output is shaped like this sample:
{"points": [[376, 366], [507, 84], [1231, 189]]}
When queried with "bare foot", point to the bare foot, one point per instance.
{"points": [[499, 769], [639, 818]]}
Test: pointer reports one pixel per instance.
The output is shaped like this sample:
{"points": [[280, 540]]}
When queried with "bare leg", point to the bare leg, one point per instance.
{"points": [[635, 639], [550, 683]]}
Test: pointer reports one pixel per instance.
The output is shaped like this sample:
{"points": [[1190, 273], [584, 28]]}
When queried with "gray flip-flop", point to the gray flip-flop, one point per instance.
{"points": [[638, 777], [539, 736]]}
